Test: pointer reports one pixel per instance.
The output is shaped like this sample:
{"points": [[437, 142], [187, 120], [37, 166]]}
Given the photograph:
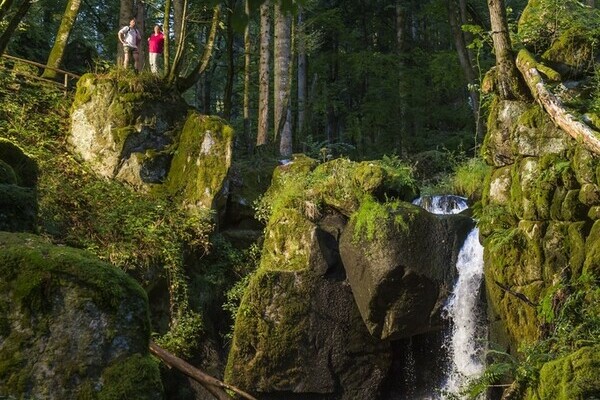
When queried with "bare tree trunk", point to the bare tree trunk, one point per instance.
{"points": [[247, 60], [167, 30], [402, 83], [12, 25], [302, 72], [125, 13], [179, 9], [192, 78], [281, 81], [179, 42], [62, 38], [140, 17], [264, 74], [455, 15], [227, 97], [510, 85]]}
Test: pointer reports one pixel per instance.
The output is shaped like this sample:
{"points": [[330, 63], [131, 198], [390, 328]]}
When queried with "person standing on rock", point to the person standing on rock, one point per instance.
{"points": [[131, 38], [156, 42]]}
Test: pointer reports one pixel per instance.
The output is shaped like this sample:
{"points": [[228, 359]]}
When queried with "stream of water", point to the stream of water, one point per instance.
{"points": [[465, 339]]}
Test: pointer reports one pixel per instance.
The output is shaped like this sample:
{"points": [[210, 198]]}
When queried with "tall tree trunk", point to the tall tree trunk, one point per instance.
{"points": [[402, 82], [173, 74], [455, 15], [302, 72], [179, 9], [167, 30], [13, 23], [5, 5], [510, 85], [264, 74], [192, 78], [228, 95], [281, 80], [247, 60], [126, 11], [591, 3], [140, 17], [62, 38]]}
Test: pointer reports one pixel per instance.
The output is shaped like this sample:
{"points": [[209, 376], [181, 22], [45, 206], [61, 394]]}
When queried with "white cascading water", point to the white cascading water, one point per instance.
{"points": [[466, 344]]}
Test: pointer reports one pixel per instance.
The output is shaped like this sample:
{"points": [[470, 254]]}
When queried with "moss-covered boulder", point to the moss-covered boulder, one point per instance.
{"points": [[400, 262], [535, 134], [298, 330], [200, 166], [71, 326], [18, 195], [497, 149], [124, 126], [573, 53], [571, 377]]}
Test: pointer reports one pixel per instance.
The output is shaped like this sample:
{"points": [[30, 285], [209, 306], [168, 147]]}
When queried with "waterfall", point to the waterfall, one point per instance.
{"points": [[464, 310], [464, 342]]}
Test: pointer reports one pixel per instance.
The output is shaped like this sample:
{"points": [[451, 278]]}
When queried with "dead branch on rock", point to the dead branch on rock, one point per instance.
{"points": [[518, 295], [213, 385], [560, 116]]}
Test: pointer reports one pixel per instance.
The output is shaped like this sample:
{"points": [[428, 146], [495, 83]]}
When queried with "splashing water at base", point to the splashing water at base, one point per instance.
{"points": [[463, 308]]}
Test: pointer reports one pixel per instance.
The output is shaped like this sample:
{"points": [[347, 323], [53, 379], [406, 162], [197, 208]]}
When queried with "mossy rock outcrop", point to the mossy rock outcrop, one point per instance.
{"points": [[18, 194], [124, 126], [71, 326], [571, 377], [401, 276]]}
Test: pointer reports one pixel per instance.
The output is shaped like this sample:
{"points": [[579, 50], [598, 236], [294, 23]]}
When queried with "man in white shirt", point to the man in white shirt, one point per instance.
{"points": [[131, 38]]}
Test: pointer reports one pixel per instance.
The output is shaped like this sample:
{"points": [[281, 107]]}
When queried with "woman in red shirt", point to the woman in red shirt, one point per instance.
{"points": [[156, 43]]}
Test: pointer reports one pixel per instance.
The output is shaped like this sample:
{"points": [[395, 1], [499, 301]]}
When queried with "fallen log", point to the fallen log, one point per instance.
{"points": [[214, 386], [560, 116]]}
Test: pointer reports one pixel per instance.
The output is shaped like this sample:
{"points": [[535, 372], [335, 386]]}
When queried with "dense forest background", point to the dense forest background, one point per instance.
{"points": [[367, 77]]}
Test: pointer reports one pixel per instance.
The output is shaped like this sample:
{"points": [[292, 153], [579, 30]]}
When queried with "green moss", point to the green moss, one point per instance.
{"points": [[136, 377], [584, 164], [201, 161], [268, 344], [575, 376], [534, 117], [589, 194], [572, 208], [577, 234], [591, 266]]}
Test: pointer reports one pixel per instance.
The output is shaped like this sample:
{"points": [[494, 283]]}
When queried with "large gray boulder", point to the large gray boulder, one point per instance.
{"points": [[71, 326], [402, 276], [124, 129]]}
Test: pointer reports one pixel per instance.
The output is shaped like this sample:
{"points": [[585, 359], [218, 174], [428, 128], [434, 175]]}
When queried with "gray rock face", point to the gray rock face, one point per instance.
{"points": [[299, 333], [70, 325], [18, 197], [125, 133], [401, 279]]}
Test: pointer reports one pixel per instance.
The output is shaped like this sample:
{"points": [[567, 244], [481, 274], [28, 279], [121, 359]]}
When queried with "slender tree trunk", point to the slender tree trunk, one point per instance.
{"points": [[510, 85], [126, 11], [455, 16], [264, 74], [180, 44], [302, 72], [591, 3], [228, 95], [192, 78], [247, 60], [5, 5], [281, 81], [62, 38], [402, 83], [179, 9], [13, 23], [140, 17], [167, 30]]}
